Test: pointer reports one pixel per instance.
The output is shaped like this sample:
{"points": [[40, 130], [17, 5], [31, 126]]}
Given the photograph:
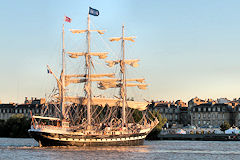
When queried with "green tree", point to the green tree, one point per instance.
{"points": [[162, 121], [225, 126], [137, 115], [3, 130], [17, 126]]}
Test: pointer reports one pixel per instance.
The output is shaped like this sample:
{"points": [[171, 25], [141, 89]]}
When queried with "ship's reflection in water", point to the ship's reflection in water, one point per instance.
{"points": [[12, 148], [143, 148]]}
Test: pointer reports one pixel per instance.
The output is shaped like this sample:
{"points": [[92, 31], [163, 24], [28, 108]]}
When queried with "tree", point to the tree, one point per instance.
{"points": [[225, 126], [162, 121], [3, 131], [137, 115], [17, 126]]}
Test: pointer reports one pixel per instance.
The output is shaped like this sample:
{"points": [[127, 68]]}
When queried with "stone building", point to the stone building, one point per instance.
{"points": [[175, 112], [236, 115], [184, 116], [210, 114], [197, 101], [7, 110]]}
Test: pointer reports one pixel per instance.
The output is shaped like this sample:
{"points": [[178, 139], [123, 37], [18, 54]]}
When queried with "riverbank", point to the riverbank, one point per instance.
{"points": [[200, 137]]}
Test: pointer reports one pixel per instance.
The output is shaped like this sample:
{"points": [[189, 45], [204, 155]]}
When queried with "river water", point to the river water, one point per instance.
{"points": [[27, 148]]}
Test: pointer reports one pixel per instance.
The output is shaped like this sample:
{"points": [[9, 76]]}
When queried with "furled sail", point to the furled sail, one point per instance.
{"points": [[83, 31], [122, 38], [133, 62], [101, 55], [110, 75], [68, 79], [77, 31], [108, 84], [111, 102]]}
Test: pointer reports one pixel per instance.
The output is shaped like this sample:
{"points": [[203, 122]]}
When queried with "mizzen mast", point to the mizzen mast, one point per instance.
{"points": [[123, 77], [122, 63]]}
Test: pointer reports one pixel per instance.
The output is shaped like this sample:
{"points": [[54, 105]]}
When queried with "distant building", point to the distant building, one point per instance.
{"points": [[34, 105], [201, 113], [196, 101], [175, 112], [209, 114], [236, 115], [34, 101], [223, 100]]}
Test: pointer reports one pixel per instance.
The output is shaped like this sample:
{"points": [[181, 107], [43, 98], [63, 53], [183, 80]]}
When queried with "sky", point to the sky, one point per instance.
{"points": [[187, 48]]}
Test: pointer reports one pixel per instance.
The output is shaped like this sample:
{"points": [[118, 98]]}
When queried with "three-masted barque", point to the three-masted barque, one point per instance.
{"points": [[90, 120]]}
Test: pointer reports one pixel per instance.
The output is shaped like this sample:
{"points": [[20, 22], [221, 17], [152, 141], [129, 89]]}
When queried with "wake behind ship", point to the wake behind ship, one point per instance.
{"points": [[91, 120]]}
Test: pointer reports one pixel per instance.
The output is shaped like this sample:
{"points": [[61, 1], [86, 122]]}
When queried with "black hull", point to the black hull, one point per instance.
{"points": [[50, 139]]}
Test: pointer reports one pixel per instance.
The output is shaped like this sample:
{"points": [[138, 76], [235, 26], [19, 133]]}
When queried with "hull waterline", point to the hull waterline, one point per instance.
{"points": [[47, 139]]}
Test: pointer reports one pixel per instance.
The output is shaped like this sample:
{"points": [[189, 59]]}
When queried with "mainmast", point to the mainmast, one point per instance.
{"points": [[87, 77], [88, 83]]}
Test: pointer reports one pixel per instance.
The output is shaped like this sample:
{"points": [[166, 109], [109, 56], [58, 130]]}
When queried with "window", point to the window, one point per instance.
{"points": [[214, 109], [218, 109], [204, 109], [209, 109], [170, 110]]}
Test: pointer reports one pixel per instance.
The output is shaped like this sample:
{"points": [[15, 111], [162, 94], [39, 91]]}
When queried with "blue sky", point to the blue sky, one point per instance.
{"points": [[187, 48]]}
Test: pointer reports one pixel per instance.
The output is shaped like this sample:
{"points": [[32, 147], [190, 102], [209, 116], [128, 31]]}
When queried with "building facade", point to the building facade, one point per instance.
{"points": [[35, 106], [176, 113], [208, 114]]}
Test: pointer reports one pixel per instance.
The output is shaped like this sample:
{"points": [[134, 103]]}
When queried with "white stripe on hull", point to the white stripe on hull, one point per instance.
{"points": [[96, 140]]}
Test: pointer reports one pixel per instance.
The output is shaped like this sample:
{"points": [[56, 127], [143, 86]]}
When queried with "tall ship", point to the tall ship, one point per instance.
{"points": [[89, 119]]}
